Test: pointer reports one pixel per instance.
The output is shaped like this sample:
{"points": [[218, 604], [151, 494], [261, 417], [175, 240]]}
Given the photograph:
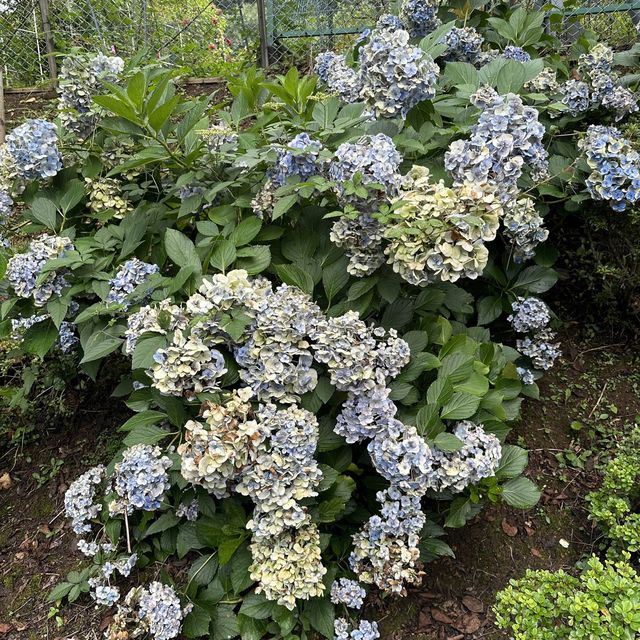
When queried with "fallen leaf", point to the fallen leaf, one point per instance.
{"points": [[470, 623], [509, 529], [5, 482], [44, 529], [424, 620], [21, 555], [528, 527], [5, 628], [441, 616], [105, 622], [536, 553], [473, 604]]}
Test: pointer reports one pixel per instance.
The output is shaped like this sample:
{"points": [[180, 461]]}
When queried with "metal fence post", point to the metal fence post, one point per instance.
{"points": [[262, 29], [3, 125], [48, 40]]}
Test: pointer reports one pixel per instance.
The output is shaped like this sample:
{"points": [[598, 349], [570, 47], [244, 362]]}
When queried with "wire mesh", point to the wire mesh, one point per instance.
{"points": [[24, 60], [298, 29]]}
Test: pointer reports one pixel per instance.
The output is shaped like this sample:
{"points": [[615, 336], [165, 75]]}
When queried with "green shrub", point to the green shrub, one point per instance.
{"points": [[603, 602]]}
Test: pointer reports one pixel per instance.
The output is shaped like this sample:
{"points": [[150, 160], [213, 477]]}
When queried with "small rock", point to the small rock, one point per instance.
{"points": [[473, 604], [441, 616], [5, 482], [563, 543], [509, 529]]}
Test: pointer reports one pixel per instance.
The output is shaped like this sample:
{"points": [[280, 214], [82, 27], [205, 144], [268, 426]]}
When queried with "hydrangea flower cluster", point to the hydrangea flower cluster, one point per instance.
{"points": [[478, 458], [140, 480], [79, 80], [276, 360], [541, 349], [529, 314], [79, 500], [464, 44], [299, 158], [575, 96], [395, 75], [337, 76], [186, 365], [67, 339], [34, 148], [438, 232], [365, 630], [523, 226], [419, 17], [506, 139], [105, 195], [6, 206], [598, 60], [104, 594], [189, 510], [375, 160], [511, 52], [216, 454], [128, 277], [615, 167], [219, 139], [347, 592], [24, 269], [361, 238], [526, 375], [545, 82], [153, 610], [160, 317], [388, 21]]}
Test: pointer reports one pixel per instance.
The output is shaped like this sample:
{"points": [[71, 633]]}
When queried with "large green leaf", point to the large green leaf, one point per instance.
{"points": [[460, 406], [99, 345], [321, 614], [45, 212], [180, 249], [39, 338], [520, 493], [513, 462]]}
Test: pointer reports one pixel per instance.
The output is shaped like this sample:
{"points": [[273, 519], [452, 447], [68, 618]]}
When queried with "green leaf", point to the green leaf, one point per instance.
{"points": [[117, 106], [39, 338], [181, 250], [335, 277], [321, 614], [59, 591], [536, 279], [460, 406], [255, 605], [164, 522], [513, 462], [254, 259], [161, 114], [145, 434], [292, 274], [227, 548], [448, 442], [73, 193], [283, 205], [45, 212], [145, 348], [187, 539], [196, 623], [520, 493], [99, 345], [250, 628], [489, 308], [143, 418], [246, 231], [223, 255], [240, 578], [224, 624], [460, 512], [203, 569], [461, 73], [57, 308]]}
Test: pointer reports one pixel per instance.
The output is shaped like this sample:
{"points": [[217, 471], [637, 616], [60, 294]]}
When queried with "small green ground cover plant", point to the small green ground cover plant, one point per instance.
{"points": [[328, 298]]}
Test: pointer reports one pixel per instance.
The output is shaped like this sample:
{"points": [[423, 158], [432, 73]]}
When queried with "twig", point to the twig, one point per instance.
{"points": [[595, 406], [126, 526], [606, 346]]}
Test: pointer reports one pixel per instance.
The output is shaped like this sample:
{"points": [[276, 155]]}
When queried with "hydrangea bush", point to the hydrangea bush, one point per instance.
{"points": [[330, 307]]}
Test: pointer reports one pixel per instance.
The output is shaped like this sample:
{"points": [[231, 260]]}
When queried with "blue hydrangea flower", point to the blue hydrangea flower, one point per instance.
{"points": [[523, 226], [615, 167], [529, 314], [299, 158], [512, 52], [395, 75], [159, 607], [575, 96], [337, 76], [106, 595], [365, 630], [6, 206], [540, 349], [140, 480], [375, 159], [506, 140], [526, 375], [24, 269], [419, 17], [131, 274], [463, 44], [80, 499], [34, 148], [389, 21], [347, 592]]}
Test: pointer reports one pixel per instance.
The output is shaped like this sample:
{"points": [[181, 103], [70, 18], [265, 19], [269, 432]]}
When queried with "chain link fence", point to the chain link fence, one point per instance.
{"points": [[202, 36], [209, 37]]}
